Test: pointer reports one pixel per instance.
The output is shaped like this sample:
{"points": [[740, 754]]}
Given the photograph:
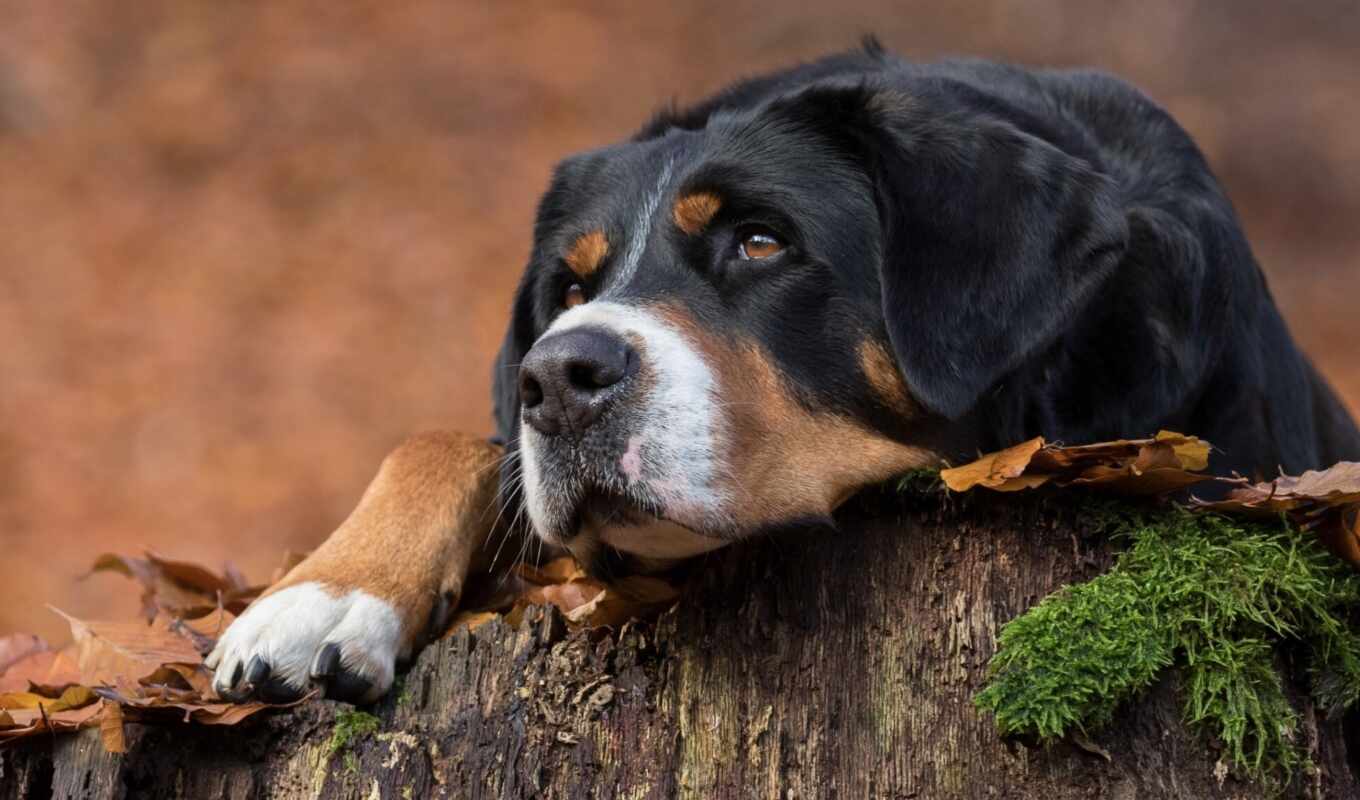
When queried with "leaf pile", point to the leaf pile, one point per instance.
{"points": [[585, 602], [180, 588], [114, 672], [1325, 503], [1167, 462], [151, 670]]}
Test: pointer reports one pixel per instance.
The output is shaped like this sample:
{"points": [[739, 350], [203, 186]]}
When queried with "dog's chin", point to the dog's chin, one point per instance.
{"points": [[605, 518]]}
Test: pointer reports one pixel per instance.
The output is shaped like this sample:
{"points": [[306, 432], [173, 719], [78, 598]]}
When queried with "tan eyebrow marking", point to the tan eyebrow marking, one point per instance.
{"points": [[587, 253], [694, 211]]}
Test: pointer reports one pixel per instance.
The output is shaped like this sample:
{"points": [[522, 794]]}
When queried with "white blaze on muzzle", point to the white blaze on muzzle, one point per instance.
{"points": [[672, 433]]}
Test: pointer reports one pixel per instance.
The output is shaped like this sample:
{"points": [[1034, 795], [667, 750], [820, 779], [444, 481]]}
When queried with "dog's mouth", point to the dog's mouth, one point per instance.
{"points": [[600, 508], [636, 528], [629, 521]]}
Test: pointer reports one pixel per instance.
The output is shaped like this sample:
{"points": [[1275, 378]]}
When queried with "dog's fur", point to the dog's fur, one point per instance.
{"points": [[968, 254]]}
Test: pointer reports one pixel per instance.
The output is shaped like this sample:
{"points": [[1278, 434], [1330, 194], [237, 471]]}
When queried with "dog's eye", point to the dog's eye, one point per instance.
{"points": [[574, 296], [758, 243]]}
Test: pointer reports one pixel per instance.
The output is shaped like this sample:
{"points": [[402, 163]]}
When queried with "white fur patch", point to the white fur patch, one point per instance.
{"points": [[661, 539], [642, 227], [673, 452], [289, 627]]}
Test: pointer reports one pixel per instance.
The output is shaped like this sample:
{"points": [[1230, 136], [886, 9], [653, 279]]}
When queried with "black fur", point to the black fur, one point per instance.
{"points": [[1046, 253]]}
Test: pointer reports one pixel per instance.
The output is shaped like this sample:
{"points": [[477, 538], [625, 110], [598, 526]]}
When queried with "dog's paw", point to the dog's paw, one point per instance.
{"points": [[305, 636]]}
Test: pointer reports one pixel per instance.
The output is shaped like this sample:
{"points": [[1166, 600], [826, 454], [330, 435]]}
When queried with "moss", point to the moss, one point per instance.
{"points": [[922, 480], [401, 690], [351, 725], [1212, 596]]}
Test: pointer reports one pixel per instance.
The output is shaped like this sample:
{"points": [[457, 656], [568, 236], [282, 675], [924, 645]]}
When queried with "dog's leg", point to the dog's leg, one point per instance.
{"points": [[371, 593]]}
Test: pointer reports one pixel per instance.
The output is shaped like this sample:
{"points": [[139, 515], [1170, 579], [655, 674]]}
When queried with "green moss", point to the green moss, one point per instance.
{"points": [[401, 690], [922, 480], [1212, 596], [351, 725]]}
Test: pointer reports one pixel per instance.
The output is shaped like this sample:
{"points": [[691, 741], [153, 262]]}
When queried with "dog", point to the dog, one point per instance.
{"points": [[807, 284]]}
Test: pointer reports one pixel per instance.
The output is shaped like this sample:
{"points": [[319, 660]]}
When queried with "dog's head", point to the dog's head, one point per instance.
{"points": [[735, 321]]}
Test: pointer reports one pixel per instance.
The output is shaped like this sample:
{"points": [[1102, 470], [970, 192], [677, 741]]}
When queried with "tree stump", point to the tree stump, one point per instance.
{"points": [[797, 667]]}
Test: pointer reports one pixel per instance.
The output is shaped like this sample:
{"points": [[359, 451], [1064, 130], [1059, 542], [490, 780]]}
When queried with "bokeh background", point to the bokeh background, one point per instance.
{"points": [[246, 247]]}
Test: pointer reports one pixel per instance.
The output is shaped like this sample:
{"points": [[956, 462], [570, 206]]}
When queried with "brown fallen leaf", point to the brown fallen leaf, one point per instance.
{"points": [[1164, 463], [1325, 502], [18, 646], [111, 729], [22, 723], [1002, 470], [106, 651], [113, 672], [585, 601], [71, 697], [472, 620], [150, 703], [45, 668], [559, 570], [179, 588], [182, 676], [622, 600]]}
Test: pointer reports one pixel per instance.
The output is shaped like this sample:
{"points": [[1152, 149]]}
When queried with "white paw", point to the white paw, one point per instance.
{"points": [[306, 636]]}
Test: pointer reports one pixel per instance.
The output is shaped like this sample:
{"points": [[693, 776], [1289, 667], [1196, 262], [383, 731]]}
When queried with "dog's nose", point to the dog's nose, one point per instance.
{"points": [[567, 379]]}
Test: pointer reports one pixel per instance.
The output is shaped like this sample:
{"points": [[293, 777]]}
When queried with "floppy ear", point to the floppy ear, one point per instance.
{"points": [[993, 238], [519, 337]]}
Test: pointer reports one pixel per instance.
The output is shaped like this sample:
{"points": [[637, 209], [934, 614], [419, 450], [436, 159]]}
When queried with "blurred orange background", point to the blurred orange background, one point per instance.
{"points": [[246, 247]]}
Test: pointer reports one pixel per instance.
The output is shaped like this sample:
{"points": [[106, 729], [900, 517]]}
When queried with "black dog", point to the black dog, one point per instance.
{"points": [[810, 283]]}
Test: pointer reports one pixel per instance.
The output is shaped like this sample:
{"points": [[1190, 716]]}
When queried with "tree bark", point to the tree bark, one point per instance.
{"points": [[799, 667]]}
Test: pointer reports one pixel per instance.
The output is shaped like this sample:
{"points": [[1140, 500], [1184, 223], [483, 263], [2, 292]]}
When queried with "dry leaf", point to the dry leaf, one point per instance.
{"points": [[179, 588], [19, 724], [559, 570], [181, 676], [18, 646], [111, 729], [1000, 470], [116, 671], [472, 620], [586, 602], [46, 668], [106, 651], [71, 697], [1165, 463], [1326, 502]]}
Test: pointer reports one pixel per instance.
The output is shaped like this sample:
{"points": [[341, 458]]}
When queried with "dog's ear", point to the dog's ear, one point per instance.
{"points": [[993, 238], [519, 337]]}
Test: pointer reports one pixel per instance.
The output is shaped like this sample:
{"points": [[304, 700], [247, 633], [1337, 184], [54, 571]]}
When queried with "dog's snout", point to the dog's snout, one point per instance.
{"points": [[567, 378]]}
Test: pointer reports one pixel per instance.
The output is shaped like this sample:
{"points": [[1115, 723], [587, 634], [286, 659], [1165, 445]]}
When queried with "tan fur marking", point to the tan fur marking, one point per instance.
{"points": [[880, 369], [784, 459], [693, 212], [417, 529], [587, 253]]}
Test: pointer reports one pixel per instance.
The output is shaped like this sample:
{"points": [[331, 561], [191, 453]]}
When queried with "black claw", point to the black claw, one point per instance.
{"points": [[257, 672], [327, 661], [236, 674], [275, 690], [347, 686]]}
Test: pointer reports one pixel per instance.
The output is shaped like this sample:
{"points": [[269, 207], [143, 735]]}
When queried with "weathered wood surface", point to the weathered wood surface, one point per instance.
{"points": [[840, 666]]}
